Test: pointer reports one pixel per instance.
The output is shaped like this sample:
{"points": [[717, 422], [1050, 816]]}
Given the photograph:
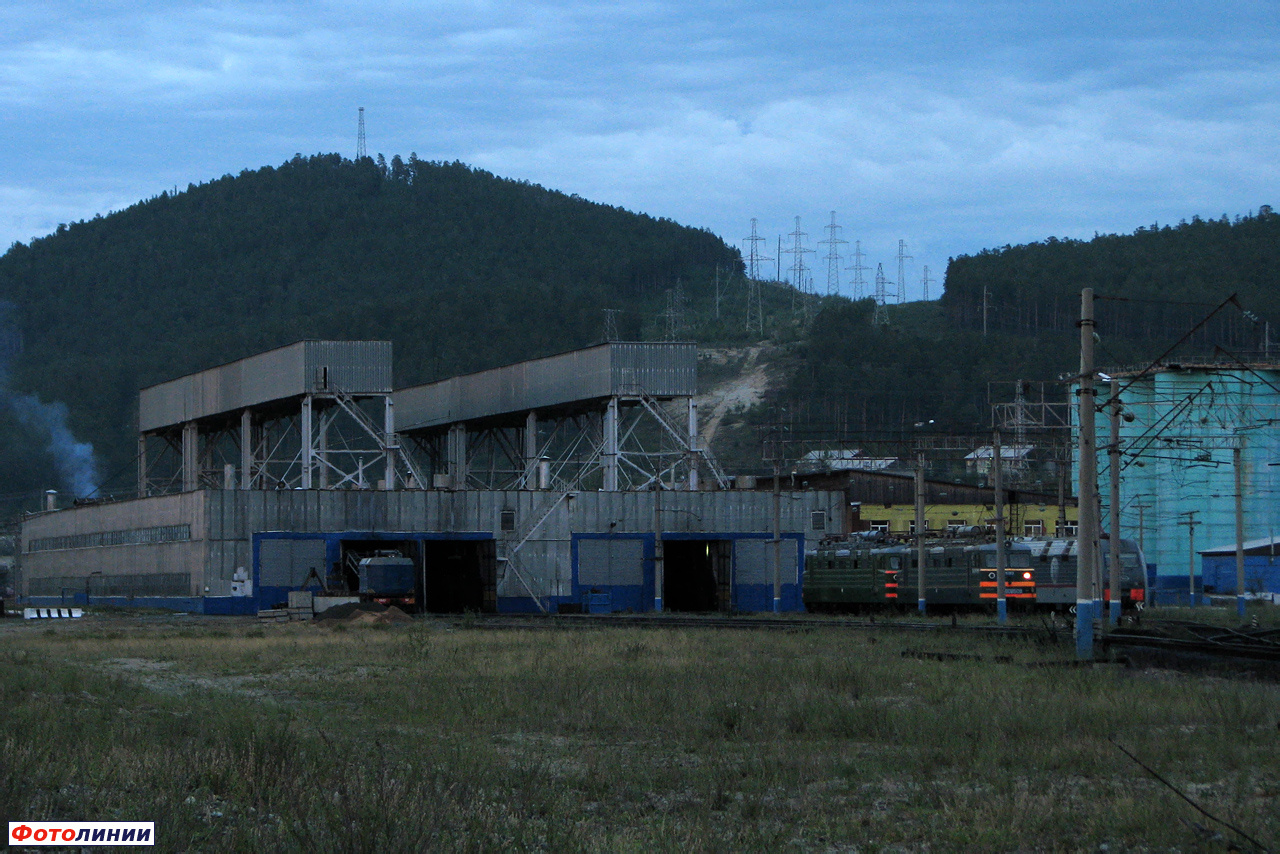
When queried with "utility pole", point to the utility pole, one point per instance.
{"points": [[1237, 461], [1002, 607], [920, 547], [1088, 486], [925, 281], [659, 563], [1191, 553], [1113, 457], [1142, 546], [717, 292], [777, 537]]}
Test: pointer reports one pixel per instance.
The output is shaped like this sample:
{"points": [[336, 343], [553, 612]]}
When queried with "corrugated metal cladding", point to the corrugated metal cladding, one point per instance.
{"points": [[610, 562], [237, 514], [287, 563], [655, 369], [223, 523], [661, 369], [753, 561], [307, 367]]}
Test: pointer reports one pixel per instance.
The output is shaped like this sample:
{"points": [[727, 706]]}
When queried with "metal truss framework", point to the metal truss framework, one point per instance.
{"points": [[330, 442], [630, 443]]}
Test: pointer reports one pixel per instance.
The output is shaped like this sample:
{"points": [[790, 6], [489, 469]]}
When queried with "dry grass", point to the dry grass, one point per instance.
{"points": [[236, 736]]}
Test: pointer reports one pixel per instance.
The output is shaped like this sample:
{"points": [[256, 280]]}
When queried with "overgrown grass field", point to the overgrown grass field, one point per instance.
{"points": [[234, 736]]}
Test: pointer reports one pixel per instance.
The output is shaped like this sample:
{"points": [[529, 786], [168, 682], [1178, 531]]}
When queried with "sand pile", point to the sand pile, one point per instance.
{"points": [[364, 613]]}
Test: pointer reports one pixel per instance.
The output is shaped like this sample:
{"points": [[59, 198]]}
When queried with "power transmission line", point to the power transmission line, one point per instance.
{"points": [[832, 257], [859, 283], [753, 252], [903, 257]]}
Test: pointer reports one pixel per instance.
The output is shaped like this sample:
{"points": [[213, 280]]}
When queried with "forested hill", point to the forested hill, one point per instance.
{"points": [[459, 268], [935, 363], [1160, 279]]}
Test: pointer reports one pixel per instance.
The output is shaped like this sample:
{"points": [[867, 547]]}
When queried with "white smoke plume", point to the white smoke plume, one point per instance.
{"points": [[77, 466], [75, 461]]}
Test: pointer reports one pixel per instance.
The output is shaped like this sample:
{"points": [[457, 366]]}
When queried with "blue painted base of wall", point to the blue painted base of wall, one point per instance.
{"points": [[224, 605], [1261, 574], [642, 599], [526, 605], [1175, 591]]}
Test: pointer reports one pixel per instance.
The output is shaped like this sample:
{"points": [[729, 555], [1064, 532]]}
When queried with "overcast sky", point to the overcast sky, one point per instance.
{"points": [[954, 126]]}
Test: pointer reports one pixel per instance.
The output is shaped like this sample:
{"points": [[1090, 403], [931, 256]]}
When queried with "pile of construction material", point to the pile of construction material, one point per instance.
{"points": [[305, 605], [363, 612]]}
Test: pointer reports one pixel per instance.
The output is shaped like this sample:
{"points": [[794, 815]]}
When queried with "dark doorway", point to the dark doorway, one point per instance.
{"points": [[697, 575], [459, 576]]}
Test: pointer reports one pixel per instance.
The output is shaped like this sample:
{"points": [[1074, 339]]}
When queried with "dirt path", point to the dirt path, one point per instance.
{"points": [[740, 392]]}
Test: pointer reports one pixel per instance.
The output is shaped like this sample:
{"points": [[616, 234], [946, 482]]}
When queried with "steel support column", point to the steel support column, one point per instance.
{"points": [[457, 456], [389, 440], [246, 449], [693, 445], [531, 456], [142, 466], [609, 447], [190, 457], [308, 443]]}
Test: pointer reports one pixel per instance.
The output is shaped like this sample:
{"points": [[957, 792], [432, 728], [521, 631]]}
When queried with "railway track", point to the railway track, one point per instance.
{"points": [[1174, 643], [750, 623], [1180, 636]]}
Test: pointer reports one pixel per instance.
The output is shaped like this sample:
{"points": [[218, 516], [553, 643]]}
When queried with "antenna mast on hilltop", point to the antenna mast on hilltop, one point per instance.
{"points": [[832, 257], [859, 283], [903, 257], [361, 152]]}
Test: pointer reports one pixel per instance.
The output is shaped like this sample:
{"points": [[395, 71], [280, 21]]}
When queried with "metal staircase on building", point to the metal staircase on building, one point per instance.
{"points": [[673, 427], [509, 554], [387, 444]]}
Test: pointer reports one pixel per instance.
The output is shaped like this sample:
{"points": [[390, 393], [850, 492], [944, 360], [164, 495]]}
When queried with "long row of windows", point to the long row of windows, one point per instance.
{"points": [[150, 584], [129, 537]]}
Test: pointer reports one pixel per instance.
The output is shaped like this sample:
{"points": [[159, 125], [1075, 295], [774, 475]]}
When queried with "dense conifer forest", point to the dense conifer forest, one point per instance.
{"points": [[1011, 313], [464, 270]]}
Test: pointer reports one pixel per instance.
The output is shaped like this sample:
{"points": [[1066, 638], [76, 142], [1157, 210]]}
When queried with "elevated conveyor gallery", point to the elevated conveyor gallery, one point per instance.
{"points": [[314, 414], [615, 416]]}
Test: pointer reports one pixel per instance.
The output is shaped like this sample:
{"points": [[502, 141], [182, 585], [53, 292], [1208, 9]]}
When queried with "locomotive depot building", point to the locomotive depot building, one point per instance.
{"points": [[562, 483]]}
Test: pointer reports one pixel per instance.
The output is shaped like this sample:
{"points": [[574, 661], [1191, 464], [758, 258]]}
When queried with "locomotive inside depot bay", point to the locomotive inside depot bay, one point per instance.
{"points": [[858, 574]]}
